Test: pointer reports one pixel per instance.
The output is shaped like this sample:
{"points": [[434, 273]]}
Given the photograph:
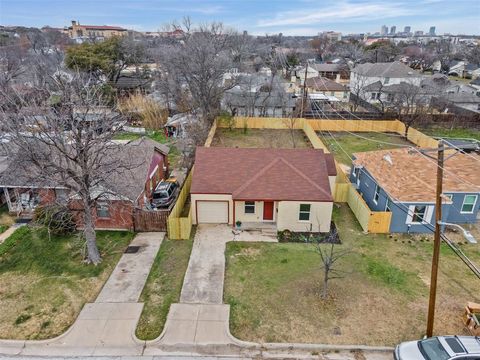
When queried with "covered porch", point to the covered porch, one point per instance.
{"points": [[23, 201]]}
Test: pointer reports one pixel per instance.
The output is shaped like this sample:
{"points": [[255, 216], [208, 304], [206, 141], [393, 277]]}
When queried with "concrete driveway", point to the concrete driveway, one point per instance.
{"points": [[203, 283]]}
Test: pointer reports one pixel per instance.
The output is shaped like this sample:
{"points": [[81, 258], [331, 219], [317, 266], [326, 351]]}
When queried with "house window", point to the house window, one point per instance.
{"points": [[376, 195], [249, 207], [448, 196], [469, 204], [418, 215], [344, 94], [387, 80], [103, 210], [388, 206], [373, 96], [390, 97], [304, 214], [332, 93]]}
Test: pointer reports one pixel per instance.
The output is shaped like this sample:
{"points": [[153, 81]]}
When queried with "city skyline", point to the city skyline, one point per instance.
{"points": [[301, 17]]}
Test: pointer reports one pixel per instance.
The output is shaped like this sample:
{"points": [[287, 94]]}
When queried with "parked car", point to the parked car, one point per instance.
{"points": [[440, 348], [165, 193]]}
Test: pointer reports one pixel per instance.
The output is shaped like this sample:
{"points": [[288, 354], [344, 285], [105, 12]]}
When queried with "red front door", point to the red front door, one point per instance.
{"points": [[268, 210]]}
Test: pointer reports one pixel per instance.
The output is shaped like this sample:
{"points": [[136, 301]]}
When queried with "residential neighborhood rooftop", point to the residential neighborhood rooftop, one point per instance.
{"points": [[264, 174], [394, 69], [407, 175]]}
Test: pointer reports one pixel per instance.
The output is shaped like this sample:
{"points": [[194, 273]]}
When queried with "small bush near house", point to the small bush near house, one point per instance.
{"points": [[310, 237]]}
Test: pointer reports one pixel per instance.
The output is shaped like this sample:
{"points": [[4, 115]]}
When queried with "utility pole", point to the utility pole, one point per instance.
{"points": [[437, 239], [304, 95]]}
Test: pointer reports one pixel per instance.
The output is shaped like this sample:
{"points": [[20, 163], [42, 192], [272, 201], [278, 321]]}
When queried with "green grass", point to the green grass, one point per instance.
{"points": [[365, 141], [454, 133], [45, 281], [163, 286], [274, 289], [3, 228]]}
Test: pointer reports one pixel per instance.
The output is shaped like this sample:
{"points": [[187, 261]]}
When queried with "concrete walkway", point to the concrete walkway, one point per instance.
{"points": [[107, 326], [4, 236]]}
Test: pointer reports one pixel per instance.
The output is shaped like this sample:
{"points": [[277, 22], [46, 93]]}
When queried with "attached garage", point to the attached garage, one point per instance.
{"points": [[212, 212]]}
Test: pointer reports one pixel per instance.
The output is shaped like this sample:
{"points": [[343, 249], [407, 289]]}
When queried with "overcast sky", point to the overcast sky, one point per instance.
{"points": [[291, 17]]}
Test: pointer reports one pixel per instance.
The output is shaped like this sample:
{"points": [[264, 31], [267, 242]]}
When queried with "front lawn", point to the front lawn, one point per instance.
{"points": [[163, 286], [44, 283], [260, 138], [365, 141], [5, 219], [274, 289]]}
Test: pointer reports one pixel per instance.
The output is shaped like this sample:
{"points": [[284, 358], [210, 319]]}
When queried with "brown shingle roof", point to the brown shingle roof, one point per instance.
{"points": [[323, 84], [263, 174], [412, 177]]}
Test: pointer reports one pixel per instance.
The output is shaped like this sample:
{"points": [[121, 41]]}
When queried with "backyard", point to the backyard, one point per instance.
{"points": [[274, 289], [163, 286], [342, 144], [260, 138], [454, 133], [44, 283]]}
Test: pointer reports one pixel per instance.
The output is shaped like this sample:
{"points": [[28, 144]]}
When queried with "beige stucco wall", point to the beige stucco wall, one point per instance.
{"points": [[320, 216], [257, 217], [332, 180], [211, 197]]}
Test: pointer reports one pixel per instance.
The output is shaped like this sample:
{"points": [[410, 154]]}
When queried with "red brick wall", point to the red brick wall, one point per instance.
{"points": [[160, 160], [121, 215]]}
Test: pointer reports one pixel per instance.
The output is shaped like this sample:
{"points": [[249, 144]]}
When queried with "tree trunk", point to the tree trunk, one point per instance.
{"points": [[325, 285], [93, 255]]}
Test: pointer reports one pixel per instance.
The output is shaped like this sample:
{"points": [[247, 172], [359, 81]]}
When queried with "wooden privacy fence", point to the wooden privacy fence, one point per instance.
{"points": [[150, 220], [180, 227]]}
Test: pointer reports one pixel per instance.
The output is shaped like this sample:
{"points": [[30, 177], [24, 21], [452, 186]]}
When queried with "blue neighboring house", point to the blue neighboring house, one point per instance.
{"points": [[404, 182]]}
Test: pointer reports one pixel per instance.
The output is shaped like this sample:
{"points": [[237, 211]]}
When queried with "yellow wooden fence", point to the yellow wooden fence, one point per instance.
{"points": [[180, 227]]}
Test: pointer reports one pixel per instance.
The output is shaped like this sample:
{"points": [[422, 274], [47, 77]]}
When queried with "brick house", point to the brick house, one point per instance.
{"points": [[118, 198]]}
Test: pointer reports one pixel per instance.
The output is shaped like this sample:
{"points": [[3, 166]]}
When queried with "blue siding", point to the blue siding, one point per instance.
{"points": [[455, 215], [450, 212]]}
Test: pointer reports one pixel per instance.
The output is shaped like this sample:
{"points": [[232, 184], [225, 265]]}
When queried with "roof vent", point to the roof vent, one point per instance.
{"points": [[388, 159]]}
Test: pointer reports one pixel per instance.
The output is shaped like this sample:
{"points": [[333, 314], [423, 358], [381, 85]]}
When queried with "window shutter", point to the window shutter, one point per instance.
{"points": [[411, 210], [428, 214]]}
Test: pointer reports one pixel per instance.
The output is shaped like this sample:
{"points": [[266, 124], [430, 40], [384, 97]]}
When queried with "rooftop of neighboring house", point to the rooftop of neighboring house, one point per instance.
{"points": [[126, 168], [235, 97], [408, 176], [394, 69], [463, 98], [264, 174], [323, 84], [327, 67]]}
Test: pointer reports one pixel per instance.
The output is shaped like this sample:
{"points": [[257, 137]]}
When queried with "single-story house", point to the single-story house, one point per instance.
{"points": [[325, 86], [403, 181], [144, 163], [288, 189]]}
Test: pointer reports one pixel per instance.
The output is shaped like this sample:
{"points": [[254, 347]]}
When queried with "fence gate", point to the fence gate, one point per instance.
{"points": [[150, 220]]}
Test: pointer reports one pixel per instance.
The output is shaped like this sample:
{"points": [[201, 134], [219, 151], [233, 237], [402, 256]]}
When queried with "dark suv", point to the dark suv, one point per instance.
{"points": [[165, 193]]}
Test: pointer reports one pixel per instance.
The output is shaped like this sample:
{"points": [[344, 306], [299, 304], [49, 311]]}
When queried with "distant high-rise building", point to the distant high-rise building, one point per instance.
{"points": [[431, 32], [407, 29], [384, 30], [393, 30], [419, 33]]}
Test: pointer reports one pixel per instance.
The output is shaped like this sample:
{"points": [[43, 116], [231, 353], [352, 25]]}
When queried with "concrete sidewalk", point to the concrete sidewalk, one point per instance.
{"points": [[106, 327]]}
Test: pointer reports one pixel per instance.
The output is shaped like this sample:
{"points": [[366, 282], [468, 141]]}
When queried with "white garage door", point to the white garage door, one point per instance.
{"points": [[213, 212]]}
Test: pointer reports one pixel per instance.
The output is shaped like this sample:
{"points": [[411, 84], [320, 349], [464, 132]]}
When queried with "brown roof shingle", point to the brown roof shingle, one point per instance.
{"points": [[263, 174], [412, 177]]}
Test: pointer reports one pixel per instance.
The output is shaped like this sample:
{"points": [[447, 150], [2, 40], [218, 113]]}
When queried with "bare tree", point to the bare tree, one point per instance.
{"points": [[291, 124], [199, 62], [69, 145], [330, 256], [357, 89]]}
